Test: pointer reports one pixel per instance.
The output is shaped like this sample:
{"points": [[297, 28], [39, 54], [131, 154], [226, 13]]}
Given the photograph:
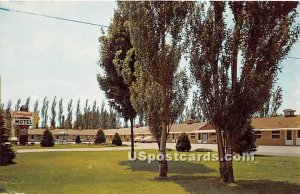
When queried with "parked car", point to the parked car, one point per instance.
{"points": [[148, 139], [138, 139]]}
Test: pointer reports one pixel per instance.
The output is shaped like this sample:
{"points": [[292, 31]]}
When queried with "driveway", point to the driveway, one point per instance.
{"points": [[261, 150]]}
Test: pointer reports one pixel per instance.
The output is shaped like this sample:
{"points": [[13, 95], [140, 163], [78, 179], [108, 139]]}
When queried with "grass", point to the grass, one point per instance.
{"points": [[63, 146], [111, 172]]}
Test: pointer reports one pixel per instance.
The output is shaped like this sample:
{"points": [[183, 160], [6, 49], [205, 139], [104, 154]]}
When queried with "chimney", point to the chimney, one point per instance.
{"points": [[190, 121], [289, 112]]}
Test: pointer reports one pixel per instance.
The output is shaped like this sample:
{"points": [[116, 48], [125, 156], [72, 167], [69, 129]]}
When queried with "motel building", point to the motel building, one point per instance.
{"points": [[273, 131]]}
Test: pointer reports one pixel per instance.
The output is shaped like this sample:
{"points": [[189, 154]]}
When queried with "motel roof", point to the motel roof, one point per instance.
{"points": [[176, 128], [280, 122], [269, 123]]}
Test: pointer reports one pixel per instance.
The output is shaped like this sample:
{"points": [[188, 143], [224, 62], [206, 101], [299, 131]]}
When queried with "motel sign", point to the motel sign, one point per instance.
{"points": [[25, 122]]}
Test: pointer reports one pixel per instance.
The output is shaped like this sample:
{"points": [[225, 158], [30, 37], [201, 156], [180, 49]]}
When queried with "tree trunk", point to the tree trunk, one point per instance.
{"points": [[163, 165], [221, 153], [132, 138], [226, 167], [229, 168]]}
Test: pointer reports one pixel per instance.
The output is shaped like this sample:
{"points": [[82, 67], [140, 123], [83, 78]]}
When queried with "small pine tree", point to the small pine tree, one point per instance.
{"points": [[117, 140], [47, 139], [7, 154], [100, 137], [183, 144], [77, 140]]}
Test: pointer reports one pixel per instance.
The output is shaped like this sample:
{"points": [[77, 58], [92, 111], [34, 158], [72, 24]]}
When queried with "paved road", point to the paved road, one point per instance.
{"points": [[261, 150]]}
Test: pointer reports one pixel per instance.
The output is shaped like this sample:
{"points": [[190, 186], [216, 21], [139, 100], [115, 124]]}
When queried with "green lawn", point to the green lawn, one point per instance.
{"points": [[111, 172], [63, 146]]}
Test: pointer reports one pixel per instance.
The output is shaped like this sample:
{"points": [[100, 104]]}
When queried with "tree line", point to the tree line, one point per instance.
{"points": [[233, 64], [51, 114]]}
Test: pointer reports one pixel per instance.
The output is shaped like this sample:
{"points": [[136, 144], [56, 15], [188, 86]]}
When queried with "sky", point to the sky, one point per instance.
{"points": [[46, 57]]}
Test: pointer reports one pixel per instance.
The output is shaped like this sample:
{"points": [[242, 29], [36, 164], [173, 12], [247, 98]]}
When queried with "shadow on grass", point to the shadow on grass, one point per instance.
{"points": [[186, 178], [174, 167], [2, 190], [206, 184]]}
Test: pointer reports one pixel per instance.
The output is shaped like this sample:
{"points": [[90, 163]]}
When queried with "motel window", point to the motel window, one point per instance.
{"points": [[257, 134], [173, 136], [32, 136], [192, 135], [275, 134], [298, 134], [57, 137], [213, 134]]}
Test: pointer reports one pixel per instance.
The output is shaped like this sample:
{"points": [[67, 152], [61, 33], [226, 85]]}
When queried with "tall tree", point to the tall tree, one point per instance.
{"points": [[17, 106], [53, 113], [271, 107], [27, 102], [78, 121], [68, 122], [256, 46], [60, 114], [37, 111], [44, 113], [117, 60], [156, 32], [103, 117]]}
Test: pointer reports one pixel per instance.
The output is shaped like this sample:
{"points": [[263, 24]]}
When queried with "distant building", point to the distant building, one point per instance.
{"points": [[280, 131]]}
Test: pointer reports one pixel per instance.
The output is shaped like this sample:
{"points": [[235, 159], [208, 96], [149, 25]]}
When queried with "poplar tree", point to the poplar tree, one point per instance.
{"points": [[27, 102], [117, 60], [60, 114], [68, 121], [156, 33], [17, 106], [257, 40], [53, 113]]}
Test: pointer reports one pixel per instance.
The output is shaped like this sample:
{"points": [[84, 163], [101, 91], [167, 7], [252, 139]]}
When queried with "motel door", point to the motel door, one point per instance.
{"points": [[199, 138], [204, 135], [173, 138], [298, 137], [289, 137]]}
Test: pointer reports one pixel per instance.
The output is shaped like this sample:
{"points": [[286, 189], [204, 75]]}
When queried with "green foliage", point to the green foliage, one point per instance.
{"points": [[100, 137], [117, 140], [68, 122], [245, 142], [254, 45], [117, 60], [272, 105], [47, 139], [78, 140], [7, 154], [161, 88], [53, 113], [44, 112], [183, 143]]}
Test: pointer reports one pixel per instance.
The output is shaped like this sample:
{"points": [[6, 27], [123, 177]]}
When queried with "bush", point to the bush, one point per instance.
{"points": [[7, 154], [100, 137], [183, 144], [47, 139], [78, 140], [202, 150], [117, 140]]}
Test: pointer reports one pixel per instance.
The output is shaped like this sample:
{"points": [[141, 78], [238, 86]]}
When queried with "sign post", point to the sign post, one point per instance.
{"points": [[21, 121]]}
